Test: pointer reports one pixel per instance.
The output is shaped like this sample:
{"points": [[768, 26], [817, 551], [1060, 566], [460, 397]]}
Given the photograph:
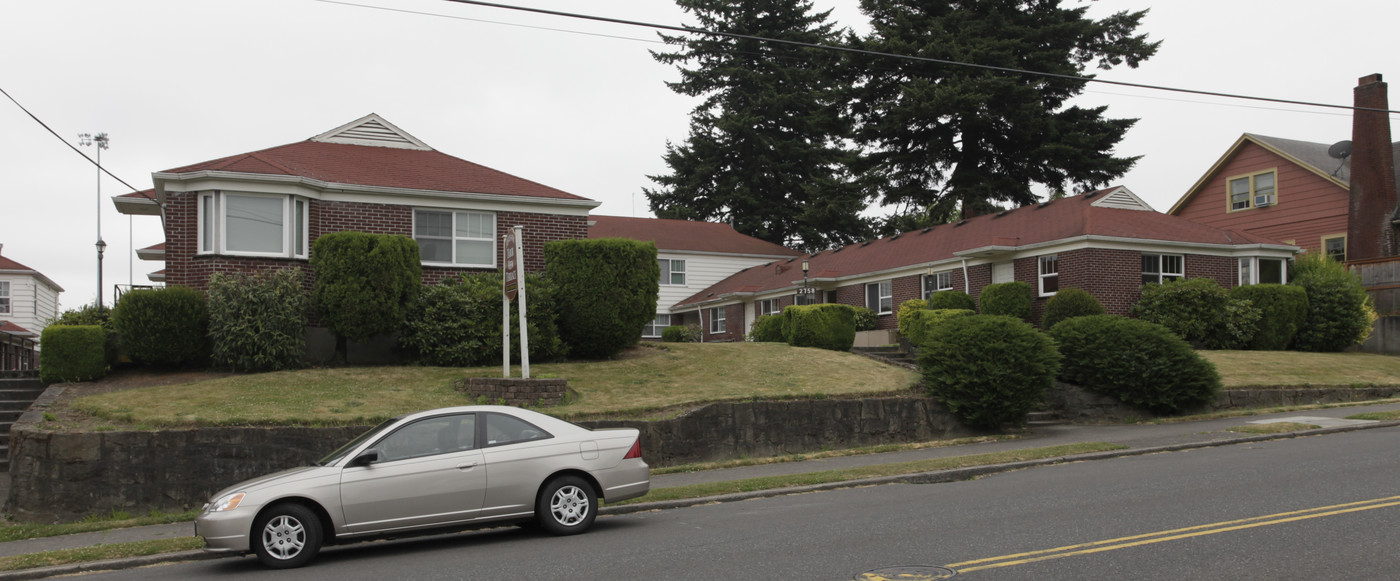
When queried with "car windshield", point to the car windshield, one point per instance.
{"points": [[340, 452]]}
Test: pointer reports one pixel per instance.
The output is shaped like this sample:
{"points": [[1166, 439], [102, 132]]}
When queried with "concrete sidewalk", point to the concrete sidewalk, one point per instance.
{"points": [[1139, 439]]}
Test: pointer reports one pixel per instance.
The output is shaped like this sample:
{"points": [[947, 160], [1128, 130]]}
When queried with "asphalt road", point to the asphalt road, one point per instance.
{"points": [[1323, 507]]}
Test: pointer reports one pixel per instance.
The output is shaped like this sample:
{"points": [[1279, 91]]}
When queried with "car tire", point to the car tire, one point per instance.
{"points": [[567, 505], [286, 536]]}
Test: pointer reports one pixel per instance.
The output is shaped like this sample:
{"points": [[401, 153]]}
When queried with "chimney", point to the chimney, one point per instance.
{"points": [[1370, 231]]}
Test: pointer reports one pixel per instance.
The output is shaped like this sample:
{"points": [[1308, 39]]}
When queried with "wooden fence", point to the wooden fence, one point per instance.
{"points": [[1381, 277]]}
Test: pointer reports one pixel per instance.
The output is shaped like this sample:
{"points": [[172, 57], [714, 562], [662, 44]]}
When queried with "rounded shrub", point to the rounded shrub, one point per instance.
{"points": [[989, 370], [825, 326], [607, 290], [1283, 310], [1069, 303], [866, 319], [768, 329], [365, 283], [680, 334], [1140, 363], [1012, 299], [921, 321], [257, 322], [902, 314], [1340, 313], [458, 323], [72, 353], [951, 300], [1199, 311], [165, 327]]}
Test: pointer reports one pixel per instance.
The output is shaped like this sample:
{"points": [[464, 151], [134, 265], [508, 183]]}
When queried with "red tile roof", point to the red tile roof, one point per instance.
{"points": [[7, 264], [390, 167], [684, 235], [1068, 218], [8, 327]]}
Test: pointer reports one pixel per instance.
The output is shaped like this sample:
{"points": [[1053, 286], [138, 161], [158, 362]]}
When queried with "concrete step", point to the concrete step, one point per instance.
{"points": [[14, 405], [1043, 418], [880, 350]]}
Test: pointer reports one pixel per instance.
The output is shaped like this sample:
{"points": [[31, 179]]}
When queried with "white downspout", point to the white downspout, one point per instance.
{"points": [[967, 285]]}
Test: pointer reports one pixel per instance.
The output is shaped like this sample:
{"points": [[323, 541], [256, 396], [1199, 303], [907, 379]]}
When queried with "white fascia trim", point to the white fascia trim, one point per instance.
{"points": [[152, 255], [723, 254], [155, 276], [136, 206], [36, 275], [313, 188]]}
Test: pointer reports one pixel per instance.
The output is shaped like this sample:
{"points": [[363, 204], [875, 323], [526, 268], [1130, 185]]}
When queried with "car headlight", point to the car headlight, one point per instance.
{"points": [[225, 502]]}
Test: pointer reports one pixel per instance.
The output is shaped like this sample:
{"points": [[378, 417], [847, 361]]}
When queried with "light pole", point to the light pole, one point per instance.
{"points": [[101, 140]]}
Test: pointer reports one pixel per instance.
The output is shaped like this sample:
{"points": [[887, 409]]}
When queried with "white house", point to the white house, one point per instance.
{"points": [[28, 301]]}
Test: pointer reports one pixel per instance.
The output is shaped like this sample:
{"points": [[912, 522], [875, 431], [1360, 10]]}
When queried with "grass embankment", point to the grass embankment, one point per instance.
{"points": [[645, 380], [1243, 369]]}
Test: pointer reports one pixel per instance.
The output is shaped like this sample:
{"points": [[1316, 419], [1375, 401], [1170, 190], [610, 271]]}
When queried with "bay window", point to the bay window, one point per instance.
{"points": [[1263, 271], [242, 224]]}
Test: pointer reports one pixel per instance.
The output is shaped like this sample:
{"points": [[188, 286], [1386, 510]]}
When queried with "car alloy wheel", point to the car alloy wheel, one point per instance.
{"points": [[288, 535], [567, 506]]}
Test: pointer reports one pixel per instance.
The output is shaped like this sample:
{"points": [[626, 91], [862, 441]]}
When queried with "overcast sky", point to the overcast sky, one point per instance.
{"points": [[576, 105]]}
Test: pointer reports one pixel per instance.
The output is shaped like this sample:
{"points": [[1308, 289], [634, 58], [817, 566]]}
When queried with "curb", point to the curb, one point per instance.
{"points": [[933, 477]]}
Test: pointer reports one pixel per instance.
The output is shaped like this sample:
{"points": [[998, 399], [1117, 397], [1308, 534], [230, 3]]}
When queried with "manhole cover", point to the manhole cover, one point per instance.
{"points": [[907, 573]]}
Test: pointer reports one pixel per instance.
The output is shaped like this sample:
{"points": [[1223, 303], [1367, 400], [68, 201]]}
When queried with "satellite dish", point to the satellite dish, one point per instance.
{"points": [[1340, 149]]}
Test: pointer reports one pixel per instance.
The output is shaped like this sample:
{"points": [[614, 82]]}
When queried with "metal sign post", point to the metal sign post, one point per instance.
{"points": [[512, 288]]}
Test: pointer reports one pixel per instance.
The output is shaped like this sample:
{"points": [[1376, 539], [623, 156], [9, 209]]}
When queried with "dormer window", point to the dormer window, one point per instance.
{"points": [[1256, 190]]}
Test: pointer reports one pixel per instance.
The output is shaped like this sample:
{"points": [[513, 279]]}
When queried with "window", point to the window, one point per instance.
{"points": [[455, 238], [879, 297], [503, 429], [1049, 275], [4, 297], [672, 271], [654, 328], [1263, 271], [1160, 268], [252, 225], [717, 320], [939, 281], [768, 307], [438, 435], [1252, 191], [1335, 247]]}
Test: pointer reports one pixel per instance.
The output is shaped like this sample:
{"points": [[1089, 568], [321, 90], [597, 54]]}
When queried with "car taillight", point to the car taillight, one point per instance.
{"points": [[636, 451]]}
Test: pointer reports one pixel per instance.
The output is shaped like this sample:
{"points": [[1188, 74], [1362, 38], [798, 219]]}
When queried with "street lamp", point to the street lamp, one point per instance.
{"points": [[101, 140], [806, 289]]}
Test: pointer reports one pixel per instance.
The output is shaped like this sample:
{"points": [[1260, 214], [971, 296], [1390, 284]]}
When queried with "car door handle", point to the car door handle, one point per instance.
{"points": [[466, 466]]}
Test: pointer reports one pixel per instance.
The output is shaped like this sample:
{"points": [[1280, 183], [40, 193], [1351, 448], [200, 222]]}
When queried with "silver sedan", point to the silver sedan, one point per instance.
{"points": [[451, 467]]}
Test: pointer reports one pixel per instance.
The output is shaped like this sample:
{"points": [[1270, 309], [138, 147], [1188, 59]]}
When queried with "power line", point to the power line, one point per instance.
{"points": [[65, 142], [695, 30], [484, 21]]}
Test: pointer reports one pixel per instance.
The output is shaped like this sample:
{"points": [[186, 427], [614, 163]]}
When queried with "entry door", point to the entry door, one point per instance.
{"points": [[429, 473]]}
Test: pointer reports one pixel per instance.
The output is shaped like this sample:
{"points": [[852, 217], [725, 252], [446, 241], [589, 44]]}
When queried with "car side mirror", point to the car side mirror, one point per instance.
{"points": [[365, 458]]}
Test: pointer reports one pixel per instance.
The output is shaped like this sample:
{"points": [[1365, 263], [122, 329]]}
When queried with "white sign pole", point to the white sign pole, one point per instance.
{"points": [[520, 284], [505, 318]]}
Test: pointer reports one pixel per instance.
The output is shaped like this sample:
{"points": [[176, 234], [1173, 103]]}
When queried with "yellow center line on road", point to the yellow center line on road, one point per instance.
{"points": [[1172, 535]]}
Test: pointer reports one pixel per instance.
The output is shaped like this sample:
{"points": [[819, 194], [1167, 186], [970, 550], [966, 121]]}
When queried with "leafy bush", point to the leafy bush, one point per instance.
{"points": [[1140, 363], [951, 300], [866, 319], [989, 370], [258, 323], [91, 314], [921, 321], [1069, 303], [607, 291], [365, 283], [458, 323], [682, 334], [826, 326], [1283, 309], [768, 329], [1199, 311], [72, 353], [166, 327], [1340, 313], [903, 312], [1012, 299]]}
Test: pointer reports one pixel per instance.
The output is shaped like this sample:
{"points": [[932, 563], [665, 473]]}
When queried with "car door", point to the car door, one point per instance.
{"points": [[519, 455], [429, 472]]}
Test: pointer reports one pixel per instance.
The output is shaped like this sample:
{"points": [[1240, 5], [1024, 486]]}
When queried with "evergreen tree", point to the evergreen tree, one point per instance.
{"points": [[766, 150], [940, 135]]}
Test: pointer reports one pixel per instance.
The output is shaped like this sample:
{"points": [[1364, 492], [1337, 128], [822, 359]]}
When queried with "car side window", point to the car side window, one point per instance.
{"points": [[437, 435], [504, 429]]}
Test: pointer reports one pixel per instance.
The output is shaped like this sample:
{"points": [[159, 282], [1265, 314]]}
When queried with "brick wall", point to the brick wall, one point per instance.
{"points": [[734, 324]]}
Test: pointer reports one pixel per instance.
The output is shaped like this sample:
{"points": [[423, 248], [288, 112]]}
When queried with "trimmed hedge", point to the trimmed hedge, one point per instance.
{"points": [[1283, 310], [458, 323], [866, 319], [258, 322], [951, 300], [1199, 311], [902, 315], [768, 329], [1140, 363], [72, 353], [921, 321], [1012, 299], [1069, 303], [825, 326], [164, 327], [1340, 313], [365, 283], [989, 370], [683, 334], [91, 314], [607, 290]]}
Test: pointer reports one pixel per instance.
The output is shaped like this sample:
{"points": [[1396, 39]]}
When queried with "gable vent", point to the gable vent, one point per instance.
{"points": [[1122, 199], [371, 130]]}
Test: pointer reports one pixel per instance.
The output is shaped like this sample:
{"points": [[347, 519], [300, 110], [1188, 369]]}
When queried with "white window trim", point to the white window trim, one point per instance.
{"points": [[768, 307], [1161, 269], [884, 292], [938, 283], [654, 327], [1041, 275], [671, 271], [492, 238], [717, 322], [1249, 268], [6, 307], [292, 236]]}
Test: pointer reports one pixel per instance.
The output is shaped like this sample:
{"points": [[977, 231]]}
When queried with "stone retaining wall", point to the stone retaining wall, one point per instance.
{"points": [[514, 391]]}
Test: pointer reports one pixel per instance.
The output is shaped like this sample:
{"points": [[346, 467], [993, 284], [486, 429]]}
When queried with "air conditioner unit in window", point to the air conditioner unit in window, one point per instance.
{"points": [[1263, 201]]}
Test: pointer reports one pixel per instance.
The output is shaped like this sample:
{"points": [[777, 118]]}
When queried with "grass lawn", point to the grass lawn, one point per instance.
{"points": [[645, 380], [1241, 369]]}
